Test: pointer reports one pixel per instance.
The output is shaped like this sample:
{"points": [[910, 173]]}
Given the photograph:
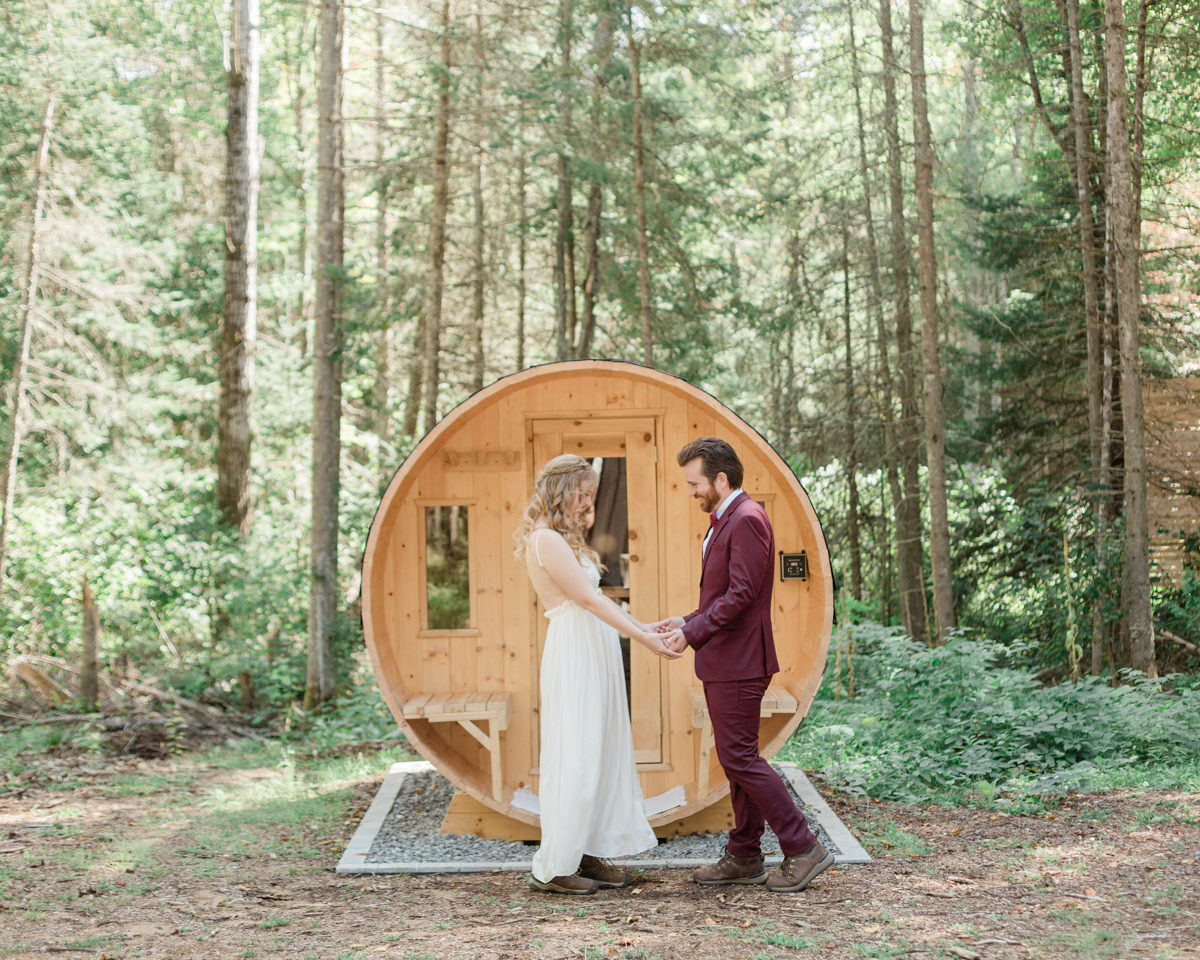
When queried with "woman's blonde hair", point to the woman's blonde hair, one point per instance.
{"points": [[553, 494]]}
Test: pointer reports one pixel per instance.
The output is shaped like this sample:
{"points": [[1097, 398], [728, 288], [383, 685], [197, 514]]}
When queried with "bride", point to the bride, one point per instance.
{"points": [[590, 798]]}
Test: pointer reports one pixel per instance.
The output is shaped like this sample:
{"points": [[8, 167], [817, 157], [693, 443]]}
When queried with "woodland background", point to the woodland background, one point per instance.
{"points": [[250, 254]]}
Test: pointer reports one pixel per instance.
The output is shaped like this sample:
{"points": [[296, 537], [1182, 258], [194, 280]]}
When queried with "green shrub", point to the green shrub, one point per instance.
{"points": [[953, 716]]}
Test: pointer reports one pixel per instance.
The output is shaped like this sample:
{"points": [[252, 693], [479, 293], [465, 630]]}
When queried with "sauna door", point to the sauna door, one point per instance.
{"points": [[634, 440]]}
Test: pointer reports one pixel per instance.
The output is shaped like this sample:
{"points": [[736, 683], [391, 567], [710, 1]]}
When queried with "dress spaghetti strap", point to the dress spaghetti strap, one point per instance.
{"points": [[537, 548]]}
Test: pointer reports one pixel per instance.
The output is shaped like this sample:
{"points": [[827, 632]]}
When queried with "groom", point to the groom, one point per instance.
{"points": [[735, 658]]}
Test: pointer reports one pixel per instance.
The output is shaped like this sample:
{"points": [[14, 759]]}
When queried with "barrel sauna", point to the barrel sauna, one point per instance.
{"points": [[455, 631]]}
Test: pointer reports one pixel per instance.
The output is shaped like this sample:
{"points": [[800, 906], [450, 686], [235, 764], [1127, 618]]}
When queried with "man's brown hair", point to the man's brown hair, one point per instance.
{"points": [[717, 457]]}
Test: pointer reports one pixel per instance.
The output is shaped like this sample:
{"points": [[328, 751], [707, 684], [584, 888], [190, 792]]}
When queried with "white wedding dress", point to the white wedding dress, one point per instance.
{"points": [[588, 791]]}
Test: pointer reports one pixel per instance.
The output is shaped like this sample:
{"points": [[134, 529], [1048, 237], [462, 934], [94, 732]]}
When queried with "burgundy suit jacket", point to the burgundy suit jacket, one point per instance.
{"points": [[731, 632]]}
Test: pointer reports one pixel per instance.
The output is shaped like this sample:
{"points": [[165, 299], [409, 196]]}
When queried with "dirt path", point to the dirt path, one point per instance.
{"points": [[213, 858]]}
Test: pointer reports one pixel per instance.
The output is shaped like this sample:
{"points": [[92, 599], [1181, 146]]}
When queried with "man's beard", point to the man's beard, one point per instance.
{"points": [[709, 501]]}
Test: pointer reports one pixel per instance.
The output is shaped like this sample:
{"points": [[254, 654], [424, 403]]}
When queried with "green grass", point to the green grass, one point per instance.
{"points": [[881, 836], [87, 943], [272, 922], [142, 785], [769, 934]]}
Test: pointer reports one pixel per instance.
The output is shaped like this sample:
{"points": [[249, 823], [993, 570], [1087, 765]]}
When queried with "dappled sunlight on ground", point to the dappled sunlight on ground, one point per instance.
{"points": [[230, 854]]}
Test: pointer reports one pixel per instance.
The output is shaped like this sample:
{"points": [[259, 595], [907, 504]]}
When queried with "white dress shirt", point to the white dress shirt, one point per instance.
{"points": [[720, 512]]}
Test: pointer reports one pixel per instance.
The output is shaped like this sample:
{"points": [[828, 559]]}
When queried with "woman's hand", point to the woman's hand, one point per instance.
{"points": [[657, 644]]}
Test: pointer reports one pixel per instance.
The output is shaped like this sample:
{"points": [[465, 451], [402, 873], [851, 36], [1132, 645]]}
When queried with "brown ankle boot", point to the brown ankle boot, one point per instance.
{"points": [[798, 872], [574, 884], [731, 869], [603, 872]]}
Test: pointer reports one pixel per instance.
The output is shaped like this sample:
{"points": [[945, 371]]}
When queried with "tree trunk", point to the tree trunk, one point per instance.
{"points": [[416, 378], [909, 554], [241, 269], [935, 439], [327, 362], [1126, 224], [89, 673], [303, 252], [639, 182], [1081, 122], [522, 242], [875, 295], [479, 237], [852, 512], [788, 438], [8, 481], [383, 337], [437, 228], [602, 48], [564, 266]]}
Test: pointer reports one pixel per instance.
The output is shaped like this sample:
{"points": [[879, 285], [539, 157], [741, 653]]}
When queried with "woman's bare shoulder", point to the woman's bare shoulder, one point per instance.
{"points": [[549, 540], [549, 534]]}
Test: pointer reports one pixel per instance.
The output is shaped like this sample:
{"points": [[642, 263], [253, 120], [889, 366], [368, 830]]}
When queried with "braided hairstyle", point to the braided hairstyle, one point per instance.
{"points": [[554, 493]]}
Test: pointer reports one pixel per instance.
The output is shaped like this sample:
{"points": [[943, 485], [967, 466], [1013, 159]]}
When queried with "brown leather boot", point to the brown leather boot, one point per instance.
{"points": [[731, 869], [796, 873], [603, 872], [574, 884]]}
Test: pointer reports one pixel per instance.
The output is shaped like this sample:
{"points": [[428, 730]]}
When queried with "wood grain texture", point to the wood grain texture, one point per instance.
{"points": [[610, 400]]}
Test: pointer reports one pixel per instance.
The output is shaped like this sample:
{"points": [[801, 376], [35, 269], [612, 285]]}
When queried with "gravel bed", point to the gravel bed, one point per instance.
{"points": [[409, 834]]}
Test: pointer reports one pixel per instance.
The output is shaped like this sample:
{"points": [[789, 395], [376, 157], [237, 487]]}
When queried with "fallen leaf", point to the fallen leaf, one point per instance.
{"points": [[955, 832], [710, 922], [963, 953], [954, 879], [636, 890], [359, 946], [745, 924], [941, 893], [633, 919], [1089, 892], [1053, 873], [627, 942]]}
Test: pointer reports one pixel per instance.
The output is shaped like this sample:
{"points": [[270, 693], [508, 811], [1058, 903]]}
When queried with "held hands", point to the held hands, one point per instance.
{"points": [[676, 641], [657, 643], [666, 638]]}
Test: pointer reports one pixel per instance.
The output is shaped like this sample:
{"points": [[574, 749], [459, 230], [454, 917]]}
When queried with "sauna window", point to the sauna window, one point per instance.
{"points": [[447, 568]]}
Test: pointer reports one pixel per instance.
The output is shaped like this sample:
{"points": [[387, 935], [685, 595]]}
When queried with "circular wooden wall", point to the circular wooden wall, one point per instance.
{"points": [[463, 684]]}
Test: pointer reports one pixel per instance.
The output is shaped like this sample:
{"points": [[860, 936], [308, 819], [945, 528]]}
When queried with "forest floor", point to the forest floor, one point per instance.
{"points": [[230, 853]]}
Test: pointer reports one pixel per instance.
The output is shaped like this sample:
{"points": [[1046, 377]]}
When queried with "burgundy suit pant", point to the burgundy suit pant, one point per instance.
{"points": [[759, 796]]}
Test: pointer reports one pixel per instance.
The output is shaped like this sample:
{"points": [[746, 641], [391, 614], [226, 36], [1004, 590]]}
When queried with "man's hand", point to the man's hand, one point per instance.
{"points": [[657, 643], [670, 625], [676, 641]]}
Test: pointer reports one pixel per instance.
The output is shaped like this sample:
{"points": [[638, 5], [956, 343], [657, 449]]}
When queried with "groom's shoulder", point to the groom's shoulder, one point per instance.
{"points": [[751, 511]]}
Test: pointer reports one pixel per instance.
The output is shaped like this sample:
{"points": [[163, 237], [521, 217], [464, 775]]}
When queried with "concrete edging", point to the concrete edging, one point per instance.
{"points": [[364, 837], [851, 851]]}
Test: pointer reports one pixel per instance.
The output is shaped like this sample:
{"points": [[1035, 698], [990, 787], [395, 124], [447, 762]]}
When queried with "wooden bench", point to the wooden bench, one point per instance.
{"points": [[775, 700], [466, 709]]}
